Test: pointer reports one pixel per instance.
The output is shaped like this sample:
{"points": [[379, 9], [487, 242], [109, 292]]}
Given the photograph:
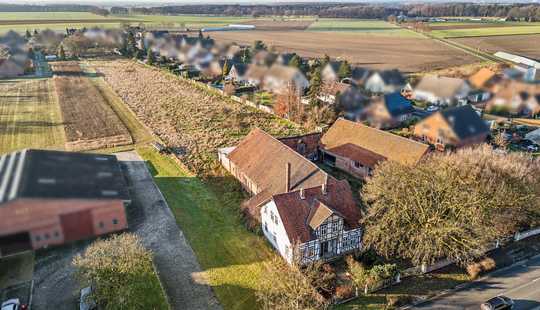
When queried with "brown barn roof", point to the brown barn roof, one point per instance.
{"points": [[263, 159], [301, 216], [377, 142]]}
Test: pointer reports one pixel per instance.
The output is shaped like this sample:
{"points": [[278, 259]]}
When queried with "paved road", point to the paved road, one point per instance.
{"points": [[521, 283], [154, 223]]}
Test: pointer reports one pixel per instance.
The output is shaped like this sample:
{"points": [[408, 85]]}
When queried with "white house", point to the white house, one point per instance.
{"points": [[442, 90], [385, 82], [308, 225]]}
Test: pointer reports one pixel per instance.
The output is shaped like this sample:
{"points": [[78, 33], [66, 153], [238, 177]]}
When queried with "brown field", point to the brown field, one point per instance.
{"points": [[409, 54], [277, 24], [470, 26], [89, 121], [524, 45]]}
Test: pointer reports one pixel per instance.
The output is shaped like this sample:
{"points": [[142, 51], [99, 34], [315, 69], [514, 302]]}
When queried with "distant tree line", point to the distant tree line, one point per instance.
{"points": [[529, 12], [357, 10]]}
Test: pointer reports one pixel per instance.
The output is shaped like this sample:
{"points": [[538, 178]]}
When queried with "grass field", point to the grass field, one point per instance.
{"points": [[373, 27], [30, 116], [232, 258], [487, 31]]}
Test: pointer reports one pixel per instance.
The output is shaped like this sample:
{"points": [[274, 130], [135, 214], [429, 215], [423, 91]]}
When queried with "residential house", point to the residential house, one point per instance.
{"points": [[264, 58], [482, 82], [305, 214], [330, 91], [357, 148], [237, 72], [455, 127], [284, 58], [440, 90], [10, 67], [388, 111], [515, 98], [330, 72], [387, 81], [352, 102], [282, 79], [14, 59], [51, 198], [255, 74], [358, 76]]}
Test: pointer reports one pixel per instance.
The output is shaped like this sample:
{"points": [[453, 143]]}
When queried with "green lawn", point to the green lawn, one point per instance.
{"points": [[30, 116], [487, 31], [375, 27], [207, 212], [190, 21], [13, 16]]}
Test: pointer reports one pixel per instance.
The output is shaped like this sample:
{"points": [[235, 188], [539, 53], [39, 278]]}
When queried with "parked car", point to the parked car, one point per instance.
{"points": [[11, 304], [86, 303], [498, 303], [529, 146], [432, 108]]}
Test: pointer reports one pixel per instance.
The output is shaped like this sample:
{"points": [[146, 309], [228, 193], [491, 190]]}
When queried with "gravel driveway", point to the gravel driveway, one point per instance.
{"points": [[150, 218]]}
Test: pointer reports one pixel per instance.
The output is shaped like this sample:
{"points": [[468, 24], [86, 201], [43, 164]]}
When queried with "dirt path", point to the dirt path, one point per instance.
{"points": [[152, 220]]}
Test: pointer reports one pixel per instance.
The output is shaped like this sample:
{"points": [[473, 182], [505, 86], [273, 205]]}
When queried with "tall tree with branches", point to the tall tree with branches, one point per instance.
{"points": [[450, 206]]}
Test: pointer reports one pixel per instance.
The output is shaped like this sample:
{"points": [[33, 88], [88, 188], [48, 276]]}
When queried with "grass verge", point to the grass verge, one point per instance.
{"points": [[207, 212]]}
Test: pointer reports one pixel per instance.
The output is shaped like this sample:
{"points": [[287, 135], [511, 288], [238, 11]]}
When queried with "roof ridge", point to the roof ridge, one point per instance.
{"points": [[295, 153]]}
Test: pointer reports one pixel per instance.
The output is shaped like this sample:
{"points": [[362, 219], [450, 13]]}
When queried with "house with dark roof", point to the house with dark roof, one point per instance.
{"points": [[330, 72], [352, 102], [357, 148], [383, 82], [454, 127], [50, 198], [305, 213], [388, 111], [237, 72]]}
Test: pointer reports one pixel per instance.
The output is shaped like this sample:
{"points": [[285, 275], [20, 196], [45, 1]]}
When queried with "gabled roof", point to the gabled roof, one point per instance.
{"points": [[54, 174], [301, 216], [382, 143], [397, 105], [263, 159], [392, 77], [359, 73], [480, 78], [465, 122], [440, 86], [240, 68], [284, 73]]}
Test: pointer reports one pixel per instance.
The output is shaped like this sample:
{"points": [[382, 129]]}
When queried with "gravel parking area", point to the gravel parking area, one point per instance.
{"points": [[55, 286]]}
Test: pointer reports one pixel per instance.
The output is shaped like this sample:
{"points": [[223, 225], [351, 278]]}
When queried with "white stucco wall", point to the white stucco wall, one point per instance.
{"points": [[275, 233]]}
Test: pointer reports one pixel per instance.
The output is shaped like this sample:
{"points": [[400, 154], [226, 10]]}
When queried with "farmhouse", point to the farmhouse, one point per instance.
{"points": [[281, 79], [357, 149], [295, 202], [51, 198], [388, 111], [441, 90], [387, 81], [455, 127]]}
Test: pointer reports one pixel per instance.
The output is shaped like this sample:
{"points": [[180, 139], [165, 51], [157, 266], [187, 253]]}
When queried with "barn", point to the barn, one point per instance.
{"points": [[50, 198]]}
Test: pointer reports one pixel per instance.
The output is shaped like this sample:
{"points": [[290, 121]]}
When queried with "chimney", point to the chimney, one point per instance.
{"points": [[325, 184], [302, 195], [287, 177]]}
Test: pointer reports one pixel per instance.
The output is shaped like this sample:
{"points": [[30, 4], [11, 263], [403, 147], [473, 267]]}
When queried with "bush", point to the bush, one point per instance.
{"points": [[344, 292], [394, 301], [482, 266], [121, 272]]}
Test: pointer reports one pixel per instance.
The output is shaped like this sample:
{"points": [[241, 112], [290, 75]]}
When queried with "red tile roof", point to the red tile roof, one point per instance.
{"points": [[295, 212]]}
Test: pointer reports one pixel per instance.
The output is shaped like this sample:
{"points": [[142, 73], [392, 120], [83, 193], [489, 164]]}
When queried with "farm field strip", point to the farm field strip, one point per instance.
{"points": [[409, 54], [90, 122], [29, 116], [486, 31], [525, 45], [367, 27]]}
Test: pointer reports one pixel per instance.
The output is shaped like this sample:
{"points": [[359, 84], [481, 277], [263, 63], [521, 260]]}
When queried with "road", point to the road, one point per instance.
{"points": [[520, 282]]}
